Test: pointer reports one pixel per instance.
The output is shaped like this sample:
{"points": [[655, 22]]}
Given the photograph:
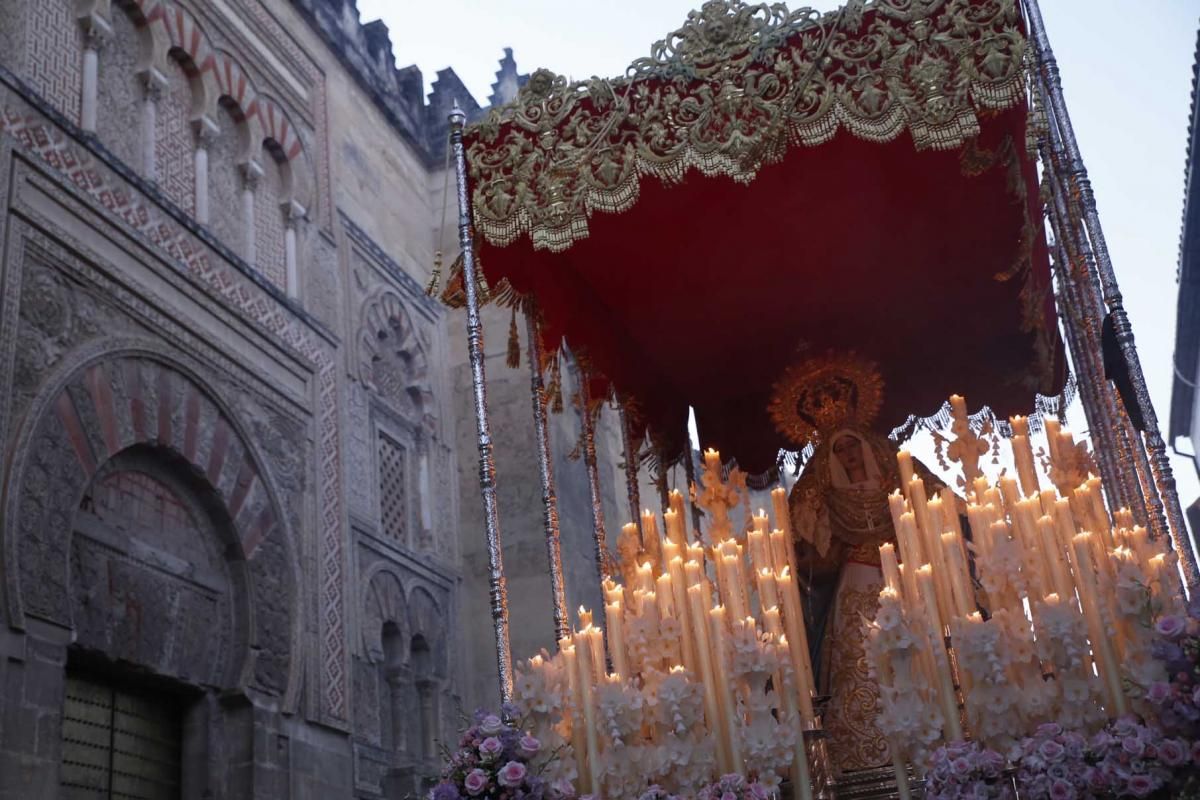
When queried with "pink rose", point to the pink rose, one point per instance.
{"points": [[1159, 692], [1172, 752], [729, 796], [1140, 785], [1170, 626], [1061, 790], [511, 774], [960, 766], [1051, 750], [529, 746], [476, 781], [490, 748], [1133, 745], [491, 725]]}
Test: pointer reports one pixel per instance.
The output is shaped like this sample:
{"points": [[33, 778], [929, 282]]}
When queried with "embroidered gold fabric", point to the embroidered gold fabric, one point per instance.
{"points": [[729, 92], [855, 739]]}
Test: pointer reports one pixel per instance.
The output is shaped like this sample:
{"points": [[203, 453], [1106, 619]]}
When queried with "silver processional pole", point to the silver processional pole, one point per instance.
{"points": [[1110, 292], [487, 466]]}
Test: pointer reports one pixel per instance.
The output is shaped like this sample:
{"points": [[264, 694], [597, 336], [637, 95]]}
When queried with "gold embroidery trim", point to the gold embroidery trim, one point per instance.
{"points": [[728, 92]]}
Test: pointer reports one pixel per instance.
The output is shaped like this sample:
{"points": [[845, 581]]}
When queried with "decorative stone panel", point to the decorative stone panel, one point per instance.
{"points": [[393, 490]]}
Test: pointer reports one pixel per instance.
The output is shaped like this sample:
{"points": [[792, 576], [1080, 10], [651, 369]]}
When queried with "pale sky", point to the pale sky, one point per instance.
{"points": [[1126, 71]]}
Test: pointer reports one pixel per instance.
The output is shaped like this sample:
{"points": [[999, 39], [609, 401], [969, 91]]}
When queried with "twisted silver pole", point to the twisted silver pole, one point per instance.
{"points": [[1081, 186], [632, 491], [546, 471], [487, 467], [1081, 322], [588, 425]]}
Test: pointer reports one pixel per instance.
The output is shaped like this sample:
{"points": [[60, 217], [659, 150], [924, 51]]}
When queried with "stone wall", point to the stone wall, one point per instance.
{"points": [[238, 450]]}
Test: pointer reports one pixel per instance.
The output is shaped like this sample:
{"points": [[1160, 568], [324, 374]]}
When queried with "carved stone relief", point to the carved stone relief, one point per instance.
{"points": [[393, 356], [149, 582]]}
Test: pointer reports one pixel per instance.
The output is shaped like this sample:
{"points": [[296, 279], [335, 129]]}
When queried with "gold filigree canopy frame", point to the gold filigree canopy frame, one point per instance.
{"points": [[728, 92], [814, 398]]}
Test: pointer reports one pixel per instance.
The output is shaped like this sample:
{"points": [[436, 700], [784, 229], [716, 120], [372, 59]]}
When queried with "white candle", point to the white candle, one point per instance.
{"points": [[788, 692], [665, 596], [679, 599], [905, 461], [960, 577], [781, 549], [698, 608], [1023, 456], [651, 542], [931, 545], [720, 648], [616, 638], [758, 546], [768, 592], [941, 662], [674, 523], [584, 669], [645, 577], [891, 570], [736, 586], [779, 504], [1060, 576], [1106, 661], [676, 502], [793, 623]]}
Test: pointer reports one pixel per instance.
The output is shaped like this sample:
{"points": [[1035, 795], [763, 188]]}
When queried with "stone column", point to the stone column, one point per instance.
{"points": [[206, 131], [293, 215], [427, 692], [96, 33], [397, 681], [426, 536], [251, 174], [155, 85]]}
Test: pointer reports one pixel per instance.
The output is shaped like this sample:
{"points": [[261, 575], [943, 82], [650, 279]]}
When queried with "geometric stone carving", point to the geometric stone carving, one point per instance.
{"points": [[50, 147], [150, 581], [392, 357], [385, 604], [124, 404]]}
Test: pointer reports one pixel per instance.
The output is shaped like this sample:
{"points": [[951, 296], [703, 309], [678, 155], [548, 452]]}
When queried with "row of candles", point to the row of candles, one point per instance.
{"points": [[1037, 554], [708, 595]]}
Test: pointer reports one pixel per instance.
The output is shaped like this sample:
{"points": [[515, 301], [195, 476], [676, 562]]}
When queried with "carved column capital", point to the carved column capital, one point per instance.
{"points": [[205, 130], [252, 173], [293, 213], [398, 676], [97, 31], [154, 83]]}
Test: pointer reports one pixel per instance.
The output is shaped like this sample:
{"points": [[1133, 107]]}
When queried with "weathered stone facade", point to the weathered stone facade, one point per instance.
{"points": [[239, 463]]}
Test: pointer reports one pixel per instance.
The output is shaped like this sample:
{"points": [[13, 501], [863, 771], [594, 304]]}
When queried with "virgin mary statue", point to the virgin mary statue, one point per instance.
{"points": [[840, 517]]}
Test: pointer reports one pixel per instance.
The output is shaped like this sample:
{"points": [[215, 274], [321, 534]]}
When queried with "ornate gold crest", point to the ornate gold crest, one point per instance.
{"points": [[819, 395]]}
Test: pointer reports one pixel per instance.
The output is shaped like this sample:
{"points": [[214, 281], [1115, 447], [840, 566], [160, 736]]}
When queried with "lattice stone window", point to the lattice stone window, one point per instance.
{"points": [[393, 490]]}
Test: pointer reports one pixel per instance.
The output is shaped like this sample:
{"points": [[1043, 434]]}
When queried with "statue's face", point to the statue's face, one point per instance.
{"points": [[848, 450]]}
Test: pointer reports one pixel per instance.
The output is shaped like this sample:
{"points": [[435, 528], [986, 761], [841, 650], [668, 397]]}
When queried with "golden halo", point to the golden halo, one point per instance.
{"points": [[817, 396]]}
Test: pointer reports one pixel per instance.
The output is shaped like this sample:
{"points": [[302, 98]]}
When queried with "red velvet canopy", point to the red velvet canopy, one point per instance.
{"points": [[928, 261]]}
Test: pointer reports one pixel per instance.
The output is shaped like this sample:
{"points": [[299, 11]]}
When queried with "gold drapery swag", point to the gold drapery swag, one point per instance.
{"points": [[729, 92]]}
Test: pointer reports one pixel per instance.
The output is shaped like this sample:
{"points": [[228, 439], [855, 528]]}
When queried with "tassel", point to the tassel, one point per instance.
{"points": [[514, 342], [435, 279]]}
